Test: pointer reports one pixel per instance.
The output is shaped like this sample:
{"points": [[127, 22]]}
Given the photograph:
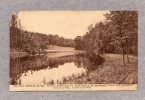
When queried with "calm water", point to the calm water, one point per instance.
{"points": [[50, 70]]}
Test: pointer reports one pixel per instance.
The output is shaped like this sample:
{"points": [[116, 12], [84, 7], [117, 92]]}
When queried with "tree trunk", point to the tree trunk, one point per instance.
{"points": [[121, 35], [122, 46], [127, 51], [123, 55]]}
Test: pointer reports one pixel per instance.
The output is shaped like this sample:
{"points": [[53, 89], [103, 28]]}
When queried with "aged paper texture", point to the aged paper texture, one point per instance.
{"points": [[73, 50]]}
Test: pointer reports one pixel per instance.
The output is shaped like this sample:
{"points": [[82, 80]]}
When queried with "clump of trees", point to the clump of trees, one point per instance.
{"points": [[79, 43], [118, 34], [32, 42], [93, 40], [60, 41]]}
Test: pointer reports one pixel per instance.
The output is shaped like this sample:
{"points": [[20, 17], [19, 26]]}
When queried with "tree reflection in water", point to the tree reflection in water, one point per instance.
{"points": [[20, 66]]}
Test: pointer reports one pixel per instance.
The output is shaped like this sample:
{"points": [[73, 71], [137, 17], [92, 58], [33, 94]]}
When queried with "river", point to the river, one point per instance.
{"points": [[52, 68]]}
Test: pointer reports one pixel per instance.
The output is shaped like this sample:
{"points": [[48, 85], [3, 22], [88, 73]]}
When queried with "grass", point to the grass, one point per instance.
{"points": [[112, 71]]}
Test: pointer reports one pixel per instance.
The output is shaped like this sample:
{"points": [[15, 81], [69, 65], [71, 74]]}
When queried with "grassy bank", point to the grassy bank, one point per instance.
{"points": [[112, 71]]}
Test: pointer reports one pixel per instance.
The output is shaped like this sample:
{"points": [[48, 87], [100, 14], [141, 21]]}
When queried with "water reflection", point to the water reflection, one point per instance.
{"points": [[44, 70]]}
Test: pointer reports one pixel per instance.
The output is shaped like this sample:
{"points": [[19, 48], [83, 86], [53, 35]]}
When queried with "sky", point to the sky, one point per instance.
{"points": [[68, 24]]}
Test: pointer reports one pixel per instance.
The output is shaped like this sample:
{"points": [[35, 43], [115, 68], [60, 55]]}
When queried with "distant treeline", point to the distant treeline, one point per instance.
{"points": [[21, 40], [118, 34]]}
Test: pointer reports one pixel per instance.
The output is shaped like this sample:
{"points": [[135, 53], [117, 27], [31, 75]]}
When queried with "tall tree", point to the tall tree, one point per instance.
{"points": [[124, 26]]}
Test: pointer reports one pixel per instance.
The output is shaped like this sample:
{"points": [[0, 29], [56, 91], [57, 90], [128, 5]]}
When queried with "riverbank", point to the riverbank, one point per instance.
{"points": [[112, 71]]}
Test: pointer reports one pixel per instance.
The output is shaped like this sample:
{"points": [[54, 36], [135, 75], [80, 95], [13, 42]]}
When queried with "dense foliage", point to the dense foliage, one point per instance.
{"points": [[118, 34]]}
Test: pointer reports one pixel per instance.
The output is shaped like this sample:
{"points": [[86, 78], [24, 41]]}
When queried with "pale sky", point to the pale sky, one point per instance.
{"points": [[68, 24]]}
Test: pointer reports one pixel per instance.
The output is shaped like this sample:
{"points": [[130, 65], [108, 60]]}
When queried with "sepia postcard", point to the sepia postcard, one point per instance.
{"points": [[73, 50]]}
